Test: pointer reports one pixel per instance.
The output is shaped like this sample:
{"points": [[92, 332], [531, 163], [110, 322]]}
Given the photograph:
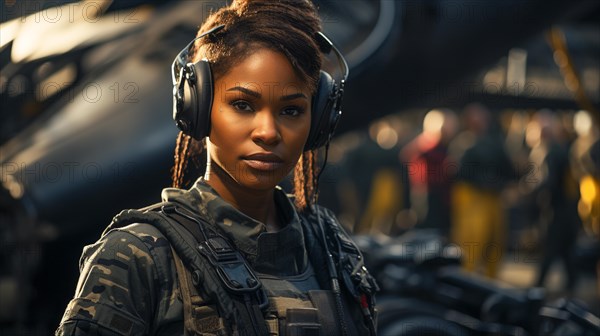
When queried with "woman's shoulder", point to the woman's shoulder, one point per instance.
{"points": [[125, 276], [139, 244], [145, 233], [136, 237]]}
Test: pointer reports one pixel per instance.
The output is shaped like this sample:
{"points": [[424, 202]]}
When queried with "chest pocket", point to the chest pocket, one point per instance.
{"points": [[298, 307], [290, 316], [207, 322], [299, 317]]}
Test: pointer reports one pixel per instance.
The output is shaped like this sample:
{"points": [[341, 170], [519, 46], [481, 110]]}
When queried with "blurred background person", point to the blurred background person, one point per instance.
{"points": [[585, 165], [375, 190], [556, 190], [478, 220], [430, 171], [593, 199]]}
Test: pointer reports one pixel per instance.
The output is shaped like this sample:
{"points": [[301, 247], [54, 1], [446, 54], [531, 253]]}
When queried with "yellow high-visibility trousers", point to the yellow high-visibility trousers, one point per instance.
{"points": [[385, 201], [478, 227]]}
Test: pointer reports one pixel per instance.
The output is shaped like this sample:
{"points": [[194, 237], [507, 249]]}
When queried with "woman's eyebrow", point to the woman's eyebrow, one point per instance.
{"points": [[293, 96], [258, 95], [246, 91]]}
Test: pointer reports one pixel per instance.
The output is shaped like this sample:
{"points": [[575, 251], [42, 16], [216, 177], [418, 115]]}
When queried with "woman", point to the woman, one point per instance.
{"points": [[234, 254]]}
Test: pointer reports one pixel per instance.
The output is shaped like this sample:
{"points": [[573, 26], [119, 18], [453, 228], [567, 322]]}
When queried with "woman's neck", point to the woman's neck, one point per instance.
{"points": [[257, 204]]}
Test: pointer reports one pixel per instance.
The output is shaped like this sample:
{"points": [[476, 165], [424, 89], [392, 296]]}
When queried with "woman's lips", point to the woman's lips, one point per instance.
{"points": [[264, 161], [263, 165]]}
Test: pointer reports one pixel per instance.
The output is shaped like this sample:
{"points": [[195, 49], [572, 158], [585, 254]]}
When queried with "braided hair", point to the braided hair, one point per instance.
{"points": [[285, 26]]}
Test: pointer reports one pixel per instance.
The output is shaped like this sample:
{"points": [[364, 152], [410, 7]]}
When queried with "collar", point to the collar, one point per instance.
{"points": [[249, 235]]}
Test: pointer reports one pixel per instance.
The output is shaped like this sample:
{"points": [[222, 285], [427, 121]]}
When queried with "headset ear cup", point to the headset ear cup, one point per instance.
{"points": [[178, 104], [324, 115], [204, 90], [192, 111]]}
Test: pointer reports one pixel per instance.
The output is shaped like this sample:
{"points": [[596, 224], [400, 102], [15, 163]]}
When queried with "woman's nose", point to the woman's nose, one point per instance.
{"points": [[266, 130]]}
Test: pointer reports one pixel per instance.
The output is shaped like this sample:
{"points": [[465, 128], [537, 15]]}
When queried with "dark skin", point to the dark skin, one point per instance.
{"points": [[260, 121]]}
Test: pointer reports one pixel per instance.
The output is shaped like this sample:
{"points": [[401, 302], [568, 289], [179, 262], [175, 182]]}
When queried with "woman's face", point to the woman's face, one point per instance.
{"points": [[260, 120]]}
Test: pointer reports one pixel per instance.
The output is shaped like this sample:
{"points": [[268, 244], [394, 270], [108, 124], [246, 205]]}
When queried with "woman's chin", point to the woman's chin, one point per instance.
{"points": [[261, 181], [263, 177]]}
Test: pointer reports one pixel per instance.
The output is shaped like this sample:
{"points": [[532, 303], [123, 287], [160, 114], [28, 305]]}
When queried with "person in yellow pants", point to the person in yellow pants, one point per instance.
{"points": [[477, 214], [478, 227]]}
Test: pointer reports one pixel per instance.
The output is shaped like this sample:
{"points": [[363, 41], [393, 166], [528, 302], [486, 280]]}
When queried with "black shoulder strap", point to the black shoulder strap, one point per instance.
{"points": [[235, 275], [218, 270], [348, 260]]}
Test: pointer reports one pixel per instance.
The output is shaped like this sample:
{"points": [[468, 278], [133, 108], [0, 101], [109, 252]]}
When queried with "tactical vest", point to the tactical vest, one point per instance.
{"points": [[222, 295]]}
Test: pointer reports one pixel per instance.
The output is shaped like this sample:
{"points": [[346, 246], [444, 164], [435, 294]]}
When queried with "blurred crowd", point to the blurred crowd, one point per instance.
{"points": [[492, 182]]}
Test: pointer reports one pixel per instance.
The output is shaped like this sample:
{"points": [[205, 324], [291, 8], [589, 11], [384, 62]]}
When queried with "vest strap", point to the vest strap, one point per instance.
{"points": [[232, 269], [354, 277], [218, 271], [186, 293]]}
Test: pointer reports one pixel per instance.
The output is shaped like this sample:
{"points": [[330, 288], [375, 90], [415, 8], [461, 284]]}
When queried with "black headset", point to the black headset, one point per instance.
{"points": [[193, 95]]}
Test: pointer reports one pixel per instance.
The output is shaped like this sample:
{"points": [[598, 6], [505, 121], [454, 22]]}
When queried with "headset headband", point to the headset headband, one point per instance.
{"points": [[181, 60], [325, 44]]}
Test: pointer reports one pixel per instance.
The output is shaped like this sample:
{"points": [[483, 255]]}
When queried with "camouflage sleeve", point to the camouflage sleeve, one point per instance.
{"points": [[117, 288]]}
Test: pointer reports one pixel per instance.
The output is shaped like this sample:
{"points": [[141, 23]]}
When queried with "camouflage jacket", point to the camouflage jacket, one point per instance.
{"points": [[128, 280]]}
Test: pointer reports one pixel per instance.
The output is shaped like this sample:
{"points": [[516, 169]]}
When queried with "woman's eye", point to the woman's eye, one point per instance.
{"points": [[242, 105], [292, 111]]}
